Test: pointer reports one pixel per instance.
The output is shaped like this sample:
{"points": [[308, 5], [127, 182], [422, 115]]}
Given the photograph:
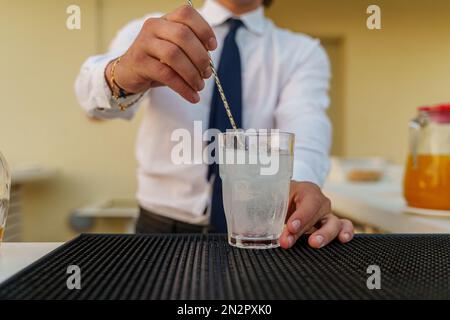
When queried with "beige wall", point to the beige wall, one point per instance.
{"points": [[381, 77], [386, 73], [40, 120]]}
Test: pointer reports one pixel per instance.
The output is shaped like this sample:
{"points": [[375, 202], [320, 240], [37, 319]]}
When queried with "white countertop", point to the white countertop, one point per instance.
{"points": [[381, 205], [15, 256]]}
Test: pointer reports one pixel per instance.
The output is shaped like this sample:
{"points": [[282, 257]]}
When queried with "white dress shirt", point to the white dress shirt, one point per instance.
{"points": [[285, 79]]}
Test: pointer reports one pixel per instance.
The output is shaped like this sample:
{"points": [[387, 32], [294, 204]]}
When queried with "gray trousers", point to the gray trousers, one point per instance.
{"points": [[149, 222]]}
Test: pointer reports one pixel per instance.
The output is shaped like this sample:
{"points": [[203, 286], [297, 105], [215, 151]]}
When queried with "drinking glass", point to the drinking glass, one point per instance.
{"points": [[256, 171], [5, 186]]}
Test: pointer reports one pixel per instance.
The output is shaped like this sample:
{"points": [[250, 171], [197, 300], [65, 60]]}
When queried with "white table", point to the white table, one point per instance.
{"points": [[381, 205], [15, 256]]}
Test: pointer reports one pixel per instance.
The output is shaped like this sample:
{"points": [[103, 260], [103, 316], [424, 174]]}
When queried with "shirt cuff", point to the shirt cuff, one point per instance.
{"points": [[304, 173], [105, 101], [102, 93]]}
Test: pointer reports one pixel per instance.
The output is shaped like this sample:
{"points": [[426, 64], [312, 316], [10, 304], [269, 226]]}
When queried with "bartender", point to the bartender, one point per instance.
{"points": [[272, 77]]}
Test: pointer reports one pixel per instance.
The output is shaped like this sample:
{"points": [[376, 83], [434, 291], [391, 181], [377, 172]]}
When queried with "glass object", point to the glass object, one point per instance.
{"points": [[427, 175], [5, 187], [256, 170]]}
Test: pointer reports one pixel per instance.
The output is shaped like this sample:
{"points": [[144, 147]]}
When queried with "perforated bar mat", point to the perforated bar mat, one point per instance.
{"points": [[206, 267]]}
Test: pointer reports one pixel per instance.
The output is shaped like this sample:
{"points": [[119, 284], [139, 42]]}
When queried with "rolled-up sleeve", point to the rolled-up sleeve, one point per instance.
{"points": [[91, 88], [302, 110]]}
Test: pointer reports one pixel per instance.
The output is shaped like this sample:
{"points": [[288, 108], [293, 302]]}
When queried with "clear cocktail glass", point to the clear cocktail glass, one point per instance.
{"points": [[256, 171]]}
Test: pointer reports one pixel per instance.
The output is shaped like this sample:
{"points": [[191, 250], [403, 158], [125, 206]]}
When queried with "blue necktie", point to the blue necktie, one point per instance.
{"points": [[229, 73]]}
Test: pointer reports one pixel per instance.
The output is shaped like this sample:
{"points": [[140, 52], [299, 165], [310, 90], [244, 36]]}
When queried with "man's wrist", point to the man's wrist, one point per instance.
{"points": [[108, 75], [119, 96], [111, 77]]}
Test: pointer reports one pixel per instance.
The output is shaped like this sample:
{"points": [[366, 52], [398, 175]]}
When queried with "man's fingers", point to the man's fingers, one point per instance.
{"points": [[162, 73], [171, 55], [286, 239], [331, 226], [347, 230], [191, 18], [309, 210], [185, 61], [182, 36]]}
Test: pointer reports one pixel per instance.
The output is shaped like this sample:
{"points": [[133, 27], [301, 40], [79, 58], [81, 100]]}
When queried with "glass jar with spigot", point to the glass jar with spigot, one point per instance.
{"points": [[427, 175]]}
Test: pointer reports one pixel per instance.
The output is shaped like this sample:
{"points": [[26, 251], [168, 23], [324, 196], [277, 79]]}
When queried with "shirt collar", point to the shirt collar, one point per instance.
{"points": [[216, 14]]}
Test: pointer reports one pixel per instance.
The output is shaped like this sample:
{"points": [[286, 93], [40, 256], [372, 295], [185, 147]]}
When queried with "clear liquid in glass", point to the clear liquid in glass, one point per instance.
{"points": [[256, 205]]}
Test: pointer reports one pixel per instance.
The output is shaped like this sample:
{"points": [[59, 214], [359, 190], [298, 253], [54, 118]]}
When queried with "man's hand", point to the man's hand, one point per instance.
{"points": [[309, 211], [171, 51]]}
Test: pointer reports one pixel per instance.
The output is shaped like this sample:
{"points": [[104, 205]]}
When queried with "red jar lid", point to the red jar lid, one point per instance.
{"points": [[437, 108], [441, 107], [440, 113], [424, 108]]}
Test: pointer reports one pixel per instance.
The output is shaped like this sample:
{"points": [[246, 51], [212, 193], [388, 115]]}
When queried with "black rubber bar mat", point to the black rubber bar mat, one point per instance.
{"points": [[206, 267]]}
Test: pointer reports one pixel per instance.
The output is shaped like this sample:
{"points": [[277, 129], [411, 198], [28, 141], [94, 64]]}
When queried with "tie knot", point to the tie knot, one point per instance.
{"points": [[234, 24]]}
